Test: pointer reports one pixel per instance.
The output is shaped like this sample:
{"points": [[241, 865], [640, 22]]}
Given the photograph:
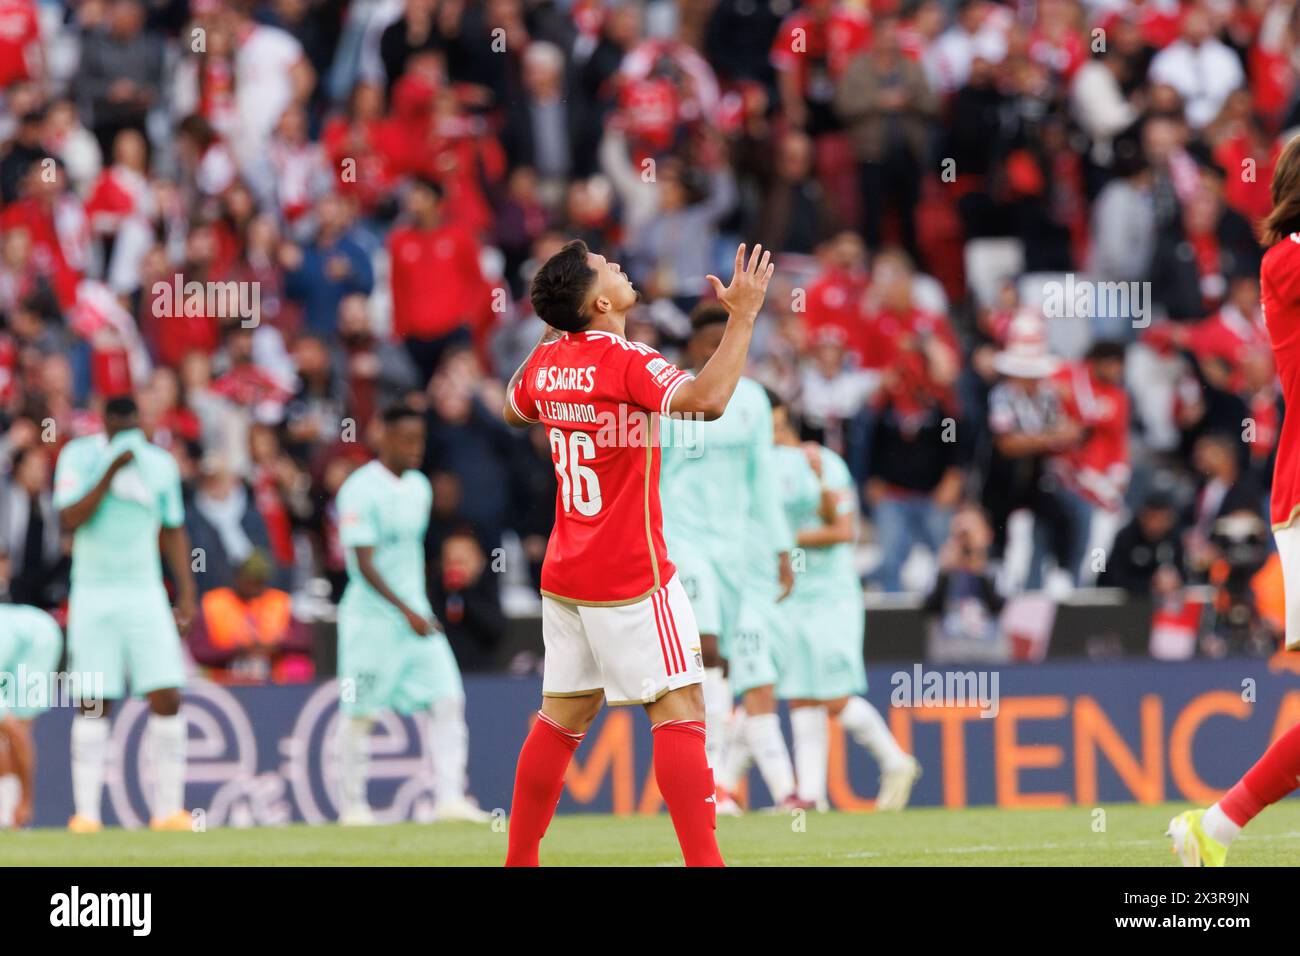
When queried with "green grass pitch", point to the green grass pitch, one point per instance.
{"points": [[1133, 836]]}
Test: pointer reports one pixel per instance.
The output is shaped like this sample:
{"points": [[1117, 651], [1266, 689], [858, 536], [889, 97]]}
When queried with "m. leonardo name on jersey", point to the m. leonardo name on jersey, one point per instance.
{"points": [[568, 411], [552, 378]]}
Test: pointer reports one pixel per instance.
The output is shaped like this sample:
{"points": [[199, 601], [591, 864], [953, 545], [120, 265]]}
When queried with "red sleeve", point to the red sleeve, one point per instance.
{"points": [[651, 380], [942, 330], [782, 55], [877, 350], [520, 399], [478, 291]]}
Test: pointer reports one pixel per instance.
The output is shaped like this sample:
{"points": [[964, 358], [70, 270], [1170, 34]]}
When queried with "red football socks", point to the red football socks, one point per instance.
{"points": [[1272, 778], [539, 781], [686, 782]]}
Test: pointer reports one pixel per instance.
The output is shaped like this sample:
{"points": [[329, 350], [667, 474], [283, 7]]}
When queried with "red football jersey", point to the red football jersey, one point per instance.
{"points": [[1098, 467], [1279, 285], [600, 397], [19, 30]]}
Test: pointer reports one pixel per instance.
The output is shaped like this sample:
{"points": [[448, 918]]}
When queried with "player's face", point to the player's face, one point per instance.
{"points": [[404, 443], [782, 433], [613, 290]]}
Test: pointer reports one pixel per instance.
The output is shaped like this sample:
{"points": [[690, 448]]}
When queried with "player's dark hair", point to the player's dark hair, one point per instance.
{"points": [[774, 398], [708, 313], [396, 413], [1105, 350], [560, 288], [1285, 217], [429, 183], [21, 455], [1159, 500], [121, 406], [1224, 440], [464, 529], [198, 129]]}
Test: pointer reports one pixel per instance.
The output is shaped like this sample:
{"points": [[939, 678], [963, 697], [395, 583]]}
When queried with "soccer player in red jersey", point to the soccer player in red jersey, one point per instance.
{"points": [[1202, 837], [616, 622]]}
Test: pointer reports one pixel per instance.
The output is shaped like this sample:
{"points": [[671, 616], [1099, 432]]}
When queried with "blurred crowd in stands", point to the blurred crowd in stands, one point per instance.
{"points": [[1017, 273]]}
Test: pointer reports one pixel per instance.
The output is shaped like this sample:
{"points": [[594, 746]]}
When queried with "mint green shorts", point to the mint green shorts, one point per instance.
{"points": [[715, 595], [758, 650], [30, 645], [823, 657], [119, 633], [384, 665]]}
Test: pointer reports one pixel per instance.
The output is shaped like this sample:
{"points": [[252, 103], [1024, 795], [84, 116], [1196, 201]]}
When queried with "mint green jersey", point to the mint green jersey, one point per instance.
{"points": [[379, 510], [762, 572], [827, 572], [715, 476], [119, 543]]}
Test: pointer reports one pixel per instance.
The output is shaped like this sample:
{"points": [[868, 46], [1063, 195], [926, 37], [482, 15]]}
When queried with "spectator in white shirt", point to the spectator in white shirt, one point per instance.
{"points": [[1200, 67], [1097, 99], [973, 35]]}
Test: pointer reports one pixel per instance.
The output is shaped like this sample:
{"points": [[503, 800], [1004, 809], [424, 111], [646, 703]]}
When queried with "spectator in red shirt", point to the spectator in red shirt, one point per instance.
{"points": [[171, 330], [914, 350], [52, 218], [20, 49], [1224, 342], [352, 143], [440, 297], [835, 294], [1094, 472], [245, 383], [811, 52], [1248, 156]]}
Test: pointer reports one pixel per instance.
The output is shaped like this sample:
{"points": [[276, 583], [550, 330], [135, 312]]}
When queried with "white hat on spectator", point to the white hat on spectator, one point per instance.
{"points": [[1026, 354]]}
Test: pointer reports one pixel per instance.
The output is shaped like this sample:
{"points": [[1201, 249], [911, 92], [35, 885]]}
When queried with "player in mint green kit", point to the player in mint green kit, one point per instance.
{"points": [[393, 654], [757, 656], [120, 496], [30, 644], [823, 671], [714, 477]]}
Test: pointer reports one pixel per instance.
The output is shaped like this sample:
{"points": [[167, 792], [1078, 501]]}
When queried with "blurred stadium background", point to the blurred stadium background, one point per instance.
{"points": [[939, 179]]}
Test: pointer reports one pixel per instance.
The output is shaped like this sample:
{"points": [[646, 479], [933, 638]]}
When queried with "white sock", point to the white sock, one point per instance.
{"points": [[867, 727], [1218, 827], [11, 791], [811, 751], [167, 742], [449, 737], [735, 758], [717, 708], [763, 737], [89, 750], [354, 763]]}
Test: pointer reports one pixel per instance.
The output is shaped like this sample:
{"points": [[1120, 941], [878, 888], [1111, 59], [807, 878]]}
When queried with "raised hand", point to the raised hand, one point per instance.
{"points": [[121, 461], [744, 296]]}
